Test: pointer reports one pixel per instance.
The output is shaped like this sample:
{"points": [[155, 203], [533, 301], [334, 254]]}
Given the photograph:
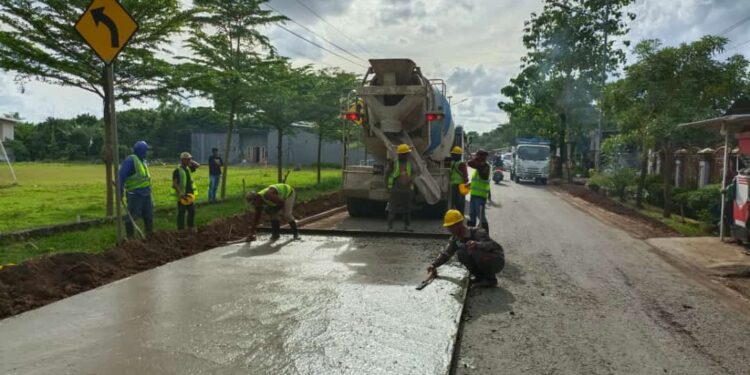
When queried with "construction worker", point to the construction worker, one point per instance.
{"points": [[214, 173], [459, 176], [401, 186], [185, 191], [482, 256], [278, 201], [479, 190], [135, 184]]}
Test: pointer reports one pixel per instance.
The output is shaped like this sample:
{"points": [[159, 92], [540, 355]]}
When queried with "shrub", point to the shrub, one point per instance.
{"points": [[703, 204]]}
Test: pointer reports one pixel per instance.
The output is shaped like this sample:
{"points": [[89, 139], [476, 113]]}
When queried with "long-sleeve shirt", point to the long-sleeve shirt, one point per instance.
{"points": [[483, 244], [127, 169]]}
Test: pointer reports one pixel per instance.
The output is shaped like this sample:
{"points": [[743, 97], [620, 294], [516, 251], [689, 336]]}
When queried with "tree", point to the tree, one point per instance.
{"points": [[562, 71], [227, 60], [324, 110], [289, 93], [668, 86], [39, 42]]}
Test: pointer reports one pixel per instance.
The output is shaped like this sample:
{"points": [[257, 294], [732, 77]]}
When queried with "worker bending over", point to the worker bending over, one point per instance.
{"points": [[459, 176], [185, 190], [401, 187], [479, 190], [482, 256], [278, 201]]}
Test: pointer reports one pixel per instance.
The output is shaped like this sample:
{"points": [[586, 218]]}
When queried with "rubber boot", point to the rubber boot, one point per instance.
{"points": [[407, 222], [295, 230], [275, 230], [486, 227]]}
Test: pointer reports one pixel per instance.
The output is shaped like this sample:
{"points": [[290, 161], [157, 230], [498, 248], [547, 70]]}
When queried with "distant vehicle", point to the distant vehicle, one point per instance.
{"points": [[531, 160], [498, 174]]}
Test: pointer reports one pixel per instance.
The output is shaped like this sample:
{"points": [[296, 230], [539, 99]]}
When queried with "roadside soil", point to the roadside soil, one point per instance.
{"points": [[44, 280], [613, 212]]}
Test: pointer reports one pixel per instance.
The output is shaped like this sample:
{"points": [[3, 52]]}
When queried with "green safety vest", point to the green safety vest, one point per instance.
{"points": [[141, 178], [456, 177], [479, 186], [284, 191], [184, 173], [397, 172]]}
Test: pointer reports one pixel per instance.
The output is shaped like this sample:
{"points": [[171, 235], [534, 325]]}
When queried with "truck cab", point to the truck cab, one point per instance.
{"points": [[531, 159]]}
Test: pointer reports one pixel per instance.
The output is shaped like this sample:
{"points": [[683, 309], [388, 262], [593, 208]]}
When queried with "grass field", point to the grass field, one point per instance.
{"points": [[48, 194]]}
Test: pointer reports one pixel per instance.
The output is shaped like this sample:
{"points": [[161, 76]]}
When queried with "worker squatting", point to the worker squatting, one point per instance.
{"points": [[135, 183], [481, 255]]}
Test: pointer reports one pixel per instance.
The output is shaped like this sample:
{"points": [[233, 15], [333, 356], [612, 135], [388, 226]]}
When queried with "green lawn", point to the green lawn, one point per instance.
{"points": [[26, 197], [49, 194], [689, 228]]}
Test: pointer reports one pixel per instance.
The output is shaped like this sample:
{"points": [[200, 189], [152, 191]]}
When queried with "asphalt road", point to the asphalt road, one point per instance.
{"points": [[581, 297]]}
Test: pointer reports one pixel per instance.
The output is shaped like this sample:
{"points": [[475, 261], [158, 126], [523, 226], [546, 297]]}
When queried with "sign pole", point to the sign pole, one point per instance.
{"points": [[110, 72]]}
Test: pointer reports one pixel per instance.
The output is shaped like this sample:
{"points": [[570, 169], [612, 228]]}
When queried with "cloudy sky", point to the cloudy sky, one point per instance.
{"points": [[475, 45]]}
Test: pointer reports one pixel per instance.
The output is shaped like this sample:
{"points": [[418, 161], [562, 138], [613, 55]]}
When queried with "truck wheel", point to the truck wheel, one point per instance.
{"points": [[518, 180], [358, 207], [543, 181]]}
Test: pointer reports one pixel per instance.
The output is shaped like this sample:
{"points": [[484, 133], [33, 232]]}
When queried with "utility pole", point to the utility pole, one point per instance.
{"points": [[605, 57]]}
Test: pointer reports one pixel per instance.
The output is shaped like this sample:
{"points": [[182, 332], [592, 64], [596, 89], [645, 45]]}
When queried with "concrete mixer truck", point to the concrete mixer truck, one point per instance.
{"points": [[399, 105]]}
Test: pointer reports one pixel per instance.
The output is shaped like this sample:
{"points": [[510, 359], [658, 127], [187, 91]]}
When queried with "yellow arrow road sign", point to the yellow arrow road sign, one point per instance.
{"points": [[106, 27]]}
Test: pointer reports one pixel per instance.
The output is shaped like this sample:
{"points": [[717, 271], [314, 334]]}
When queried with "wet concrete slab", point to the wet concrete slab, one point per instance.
{"points": [[319, 306]]}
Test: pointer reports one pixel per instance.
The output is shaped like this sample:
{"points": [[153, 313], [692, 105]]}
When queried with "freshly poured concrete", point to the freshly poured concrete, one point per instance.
{"points": [[319, 306]]}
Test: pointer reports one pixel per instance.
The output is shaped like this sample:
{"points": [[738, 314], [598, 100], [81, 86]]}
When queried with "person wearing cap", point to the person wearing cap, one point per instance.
{"points": [[135, 184], [278, 201], [401, 187], [479, 190], [185, 190], [459, 176], [480, 254]]}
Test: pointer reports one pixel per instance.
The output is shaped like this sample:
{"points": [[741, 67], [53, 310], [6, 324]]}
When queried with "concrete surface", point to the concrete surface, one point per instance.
{"points": [[319, 306], [705, 252], [582, 297]]}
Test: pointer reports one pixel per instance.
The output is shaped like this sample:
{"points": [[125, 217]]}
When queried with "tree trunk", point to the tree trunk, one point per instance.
{"points": [[108, 149], [227, 148], [280, 160], [320, 151], [667, 178], [642, 177], [561, 147]]}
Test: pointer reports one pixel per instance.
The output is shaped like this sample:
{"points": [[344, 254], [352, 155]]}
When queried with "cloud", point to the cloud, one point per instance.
{"points": [[401, 11], [478, 81]]}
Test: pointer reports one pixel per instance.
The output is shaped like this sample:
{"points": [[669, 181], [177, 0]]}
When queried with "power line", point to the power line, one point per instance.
{"points": [[734, 26], [319, 46], [737, 46], [335, 28], [318, 35]]}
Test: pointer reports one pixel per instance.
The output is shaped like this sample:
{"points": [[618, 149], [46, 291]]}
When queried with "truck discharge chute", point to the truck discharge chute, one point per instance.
{"points": [[401, 106]]}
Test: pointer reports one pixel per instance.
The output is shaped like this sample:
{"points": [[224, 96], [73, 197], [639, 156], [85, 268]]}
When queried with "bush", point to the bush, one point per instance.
{"points": [[615, 181], [703, 204]]}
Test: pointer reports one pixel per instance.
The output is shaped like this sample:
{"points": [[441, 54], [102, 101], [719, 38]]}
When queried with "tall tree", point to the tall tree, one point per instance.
{"points": [[681, 84], [325, 109], [38, 42], [227, 46], [567, 44]]}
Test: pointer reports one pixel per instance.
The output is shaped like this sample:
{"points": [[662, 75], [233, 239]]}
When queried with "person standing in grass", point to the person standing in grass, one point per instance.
{"points": [[135, 184], [214, 173], [185, 191]]}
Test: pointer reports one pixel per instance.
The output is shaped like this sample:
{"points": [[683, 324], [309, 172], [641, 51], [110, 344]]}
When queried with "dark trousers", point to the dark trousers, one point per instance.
{"points": [[181, 216], [140, 207], [477, 210], [482, 265], [458, 201]]}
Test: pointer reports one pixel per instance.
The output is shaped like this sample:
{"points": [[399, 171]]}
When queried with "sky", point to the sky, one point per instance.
{"points": [[475, 45]]}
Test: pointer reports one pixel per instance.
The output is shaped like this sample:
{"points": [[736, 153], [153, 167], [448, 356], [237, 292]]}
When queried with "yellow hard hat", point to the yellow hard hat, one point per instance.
{"points": [[403, 149], [457, 150], [187, 199], [463, 189], [452, 217]]}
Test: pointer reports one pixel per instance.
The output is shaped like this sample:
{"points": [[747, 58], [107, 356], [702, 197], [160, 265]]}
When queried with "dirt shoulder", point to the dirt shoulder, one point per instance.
{"points": [[612, 212], [47, 279]]}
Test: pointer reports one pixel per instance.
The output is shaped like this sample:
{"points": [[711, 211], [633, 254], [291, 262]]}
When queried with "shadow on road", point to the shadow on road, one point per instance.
{"points": [[266, 248]]}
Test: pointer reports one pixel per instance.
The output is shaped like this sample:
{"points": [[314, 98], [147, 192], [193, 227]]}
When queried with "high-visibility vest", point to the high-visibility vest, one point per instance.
{"points": [[397, 172], [141, 178], [479, 186], [184, 174], [283, 190], [456, 176]]}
